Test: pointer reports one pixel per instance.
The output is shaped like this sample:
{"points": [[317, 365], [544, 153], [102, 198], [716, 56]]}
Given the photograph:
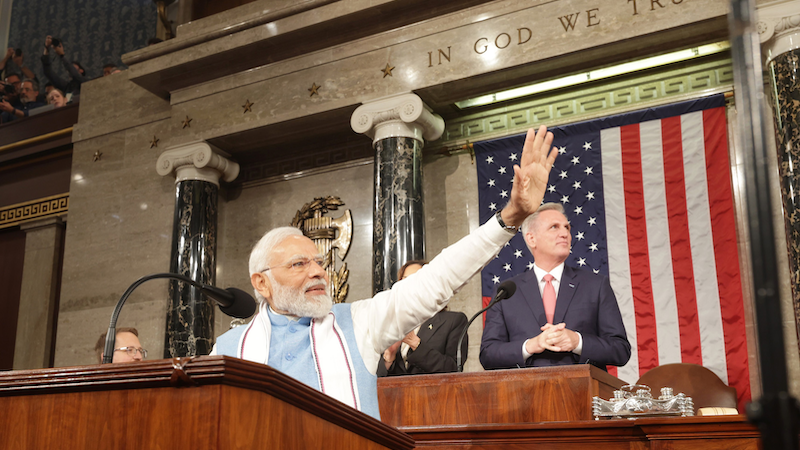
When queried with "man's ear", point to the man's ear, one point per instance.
{"points": [[530, 240], [262, 284]]}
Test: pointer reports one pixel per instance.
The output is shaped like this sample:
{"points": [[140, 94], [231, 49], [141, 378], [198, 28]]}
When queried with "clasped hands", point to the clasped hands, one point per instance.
{"points": [[411, 339], [556, 338]]}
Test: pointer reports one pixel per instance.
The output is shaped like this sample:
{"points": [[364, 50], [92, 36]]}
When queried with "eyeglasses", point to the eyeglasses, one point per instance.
{"points": [[131, 351], [300, 264]]}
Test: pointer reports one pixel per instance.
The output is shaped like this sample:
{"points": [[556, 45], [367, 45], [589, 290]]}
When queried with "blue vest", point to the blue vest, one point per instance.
{"points": [[290, 352]]}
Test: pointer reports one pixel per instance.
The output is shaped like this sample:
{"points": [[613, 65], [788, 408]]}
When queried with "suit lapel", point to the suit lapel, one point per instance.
{"points": [[429, 327], [566, 290], [533, 298]]}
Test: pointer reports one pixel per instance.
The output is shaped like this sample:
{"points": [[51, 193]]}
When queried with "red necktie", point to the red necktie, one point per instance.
{"points": [[549, 298]]}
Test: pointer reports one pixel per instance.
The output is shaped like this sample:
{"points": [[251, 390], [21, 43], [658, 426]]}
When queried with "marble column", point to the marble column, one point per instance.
{"points": [[39, 294], [779, 29], [198, 168], [398, 126]]}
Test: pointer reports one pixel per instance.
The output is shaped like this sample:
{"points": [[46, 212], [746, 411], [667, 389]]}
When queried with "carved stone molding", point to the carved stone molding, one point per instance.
{"points": [[779, 28], [403, 115], [197, 161]]}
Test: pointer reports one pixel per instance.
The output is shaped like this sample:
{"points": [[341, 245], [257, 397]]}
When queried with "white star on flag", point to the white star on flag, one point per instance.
{"points": [[507, 267], [587, 146], [562, 150], [493, 206], [579, 236], [491, 183], [502, 169], [592, 221], [504, 194], [518, 253], [576, 185], [563, 174], [495, 279], [489, 159], [513, 157], [579, 210], [575, 160], [590, 195], [530, 265], [551, 188], [564, 199], [581, 262], [588, 170], [593, 247]]}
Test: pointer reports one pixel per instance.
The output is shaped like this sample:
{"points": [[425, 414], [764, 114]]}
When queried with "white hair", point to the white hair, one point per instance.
{"points": [[530, 222], [262, 251]]}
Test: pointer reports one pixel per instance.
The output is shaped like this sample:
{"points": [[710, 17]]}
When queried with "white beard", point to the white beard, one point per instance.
{"points": [[297, 303]]}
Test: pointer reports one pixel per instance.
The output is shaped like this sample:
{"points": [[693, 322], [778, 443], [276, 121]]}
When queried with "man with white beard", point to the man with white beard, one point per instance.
{"points": [[336, 348]]}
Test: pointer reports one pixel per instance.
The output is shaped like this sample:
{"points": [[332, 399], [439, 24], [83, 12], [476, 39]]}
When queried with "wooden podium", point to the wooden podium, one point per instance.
{"points": [[542, 394], [208, 402], [548, 408]]}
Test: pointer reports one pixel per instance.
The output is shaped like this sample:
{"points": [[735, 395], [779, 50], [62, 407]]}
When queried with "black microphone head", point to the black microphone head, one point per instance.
{"points": [[506, 289], [243, 306]]}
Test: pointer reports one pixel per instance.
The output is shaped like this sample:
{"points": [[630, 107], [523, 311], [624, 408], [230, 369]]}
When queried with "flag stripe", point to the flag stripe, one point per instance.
{"points": [[727, 258], [659, 251], [637, 247], [682, 265], [619, 268], [702, 239]]}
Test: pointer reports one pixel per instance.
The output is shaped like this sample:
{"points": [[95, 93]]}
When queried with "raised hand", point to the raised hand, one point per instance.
{"points": [[530, 176]]}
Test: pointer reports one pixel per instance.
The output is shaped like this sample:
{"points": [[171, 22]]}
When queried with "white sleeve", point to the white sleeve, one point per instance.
{"points": [[380, 321]]}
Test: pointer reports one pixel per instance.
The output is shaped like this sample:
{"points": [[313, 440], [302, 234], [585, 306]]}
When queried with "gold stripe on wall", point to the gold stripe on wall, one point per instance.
{"points": [[55, 205]]}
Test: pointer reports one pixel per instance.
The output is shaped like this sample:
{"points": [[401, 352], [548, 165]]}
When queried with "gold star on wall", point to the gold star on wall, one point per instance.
{"points": [[97, 155], [247, 107], [387, 71], [314, 89], [154, 143], [187, 122]]}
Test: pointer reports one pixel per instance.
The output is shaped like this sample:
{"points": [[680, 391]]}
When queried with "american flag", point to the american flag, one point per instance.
{"points": [[649, 198]]}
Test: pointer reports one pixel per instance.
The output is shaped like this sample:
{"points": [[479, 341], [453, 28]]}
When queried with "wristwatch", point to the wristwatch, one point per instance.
{"points": [[509, 228]]}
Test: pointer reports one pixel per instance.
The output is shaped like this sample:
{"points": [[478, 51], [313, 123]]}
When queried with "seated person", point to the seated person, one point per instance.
{"points": [[110, 69], [28, 94], [431, 347], [336, 348], [127, 347], [56, 98], [559, 314]]}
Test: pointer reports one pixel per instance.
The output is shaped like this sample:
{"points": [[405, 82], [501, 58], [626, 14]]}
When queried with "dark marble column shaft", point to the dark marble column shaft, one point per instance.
{"points": [[190, 316], [398, 219], [784, 72]]}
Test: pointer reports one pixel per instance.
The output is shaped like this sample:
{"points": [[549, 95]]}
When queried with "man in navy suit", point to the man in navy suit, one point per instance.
{"points": [[585, 325]]}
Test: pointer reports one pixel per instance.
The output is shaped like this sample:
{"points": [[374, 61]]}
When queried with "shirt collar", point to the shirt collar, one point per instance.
{"points": [[557, 272]]}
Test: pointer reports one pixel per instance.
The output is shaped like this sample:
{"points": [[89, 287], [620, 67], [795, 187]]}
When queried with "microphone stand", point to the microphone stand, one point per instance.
{"points": [[224, 298], [464, 332]]}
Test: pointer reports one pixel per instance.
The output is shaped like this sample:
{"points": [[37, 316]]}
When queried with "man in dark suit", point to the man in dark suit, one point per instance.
{"points": [[431, 347], [559, 314]]}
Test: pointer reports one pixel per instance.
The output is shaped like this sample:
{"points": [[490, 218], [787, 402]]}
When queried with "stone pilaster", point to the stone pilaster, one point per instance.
{"points": [[779, 30], [198, 168], [398, 126], [39, 293]]}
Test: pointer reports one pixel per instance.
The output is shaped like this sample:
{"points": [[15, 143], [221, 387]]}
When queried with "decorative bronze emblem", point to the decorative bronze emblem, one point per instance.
{"points": [[322, 230]]}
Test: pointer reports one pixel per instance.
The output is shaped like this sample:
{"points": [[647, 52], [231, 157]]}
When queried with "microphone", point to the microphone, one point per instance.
{"points": [[505, 290], [233, 302]]}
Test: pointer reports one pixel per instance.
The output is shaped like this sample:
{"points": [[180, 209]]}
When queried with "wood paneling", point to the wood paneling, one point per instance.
{"points": [[215, 402], [541, 394]]}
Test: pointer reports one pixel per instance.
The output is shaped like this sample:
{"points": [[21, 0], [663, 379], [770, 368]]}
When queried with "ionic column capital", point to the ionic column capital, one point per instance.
{"points": [[779, 28], [197, 161], [403, 115]]}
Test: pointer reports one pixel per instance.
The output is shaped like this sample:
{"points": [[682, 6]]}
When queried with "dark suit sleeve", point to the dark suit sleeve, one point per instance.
{"points": [[610, 343], [57, 81], [397, 367], [428, 356], [498, 350]]}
